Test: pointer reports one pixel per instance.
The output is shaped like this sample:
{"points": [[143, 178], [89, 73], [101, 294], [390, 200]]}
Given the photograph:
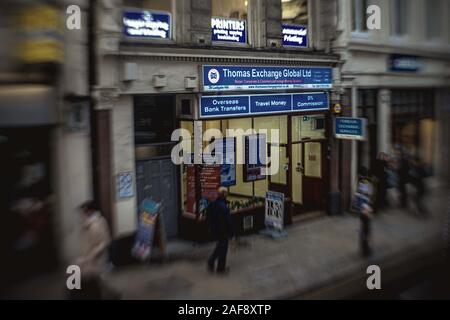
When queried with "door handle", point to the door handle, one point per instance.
{"points": [[299, 167]]}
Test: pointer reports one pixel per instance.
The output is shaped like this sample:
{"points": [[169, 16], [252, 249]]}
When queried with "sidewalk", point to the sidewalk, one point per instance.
{"points": [[315, 255]]}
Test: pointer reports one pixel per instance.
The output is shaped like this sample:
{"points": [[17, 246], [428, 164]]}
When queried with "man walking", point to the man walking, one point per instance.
{"points": [[219, 220]]}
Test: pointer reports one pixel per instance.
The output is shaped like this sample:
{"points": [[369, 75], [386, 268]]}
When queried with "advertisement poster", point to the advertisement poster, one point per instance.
{"points": [[226, 147], [149, 211], [295, 35], [190, 190], [255, 157], [274, 216], [210, 182]]}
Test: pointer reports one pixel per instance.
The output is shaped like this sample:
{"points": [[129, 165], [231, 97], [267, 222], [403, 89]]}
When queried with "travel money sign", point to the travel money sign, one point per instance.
{"points": [[232, 78]]}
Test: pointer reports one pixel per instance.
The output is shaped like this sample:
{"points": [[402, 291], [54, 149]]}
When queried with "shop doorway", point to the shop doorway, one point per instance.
{"points": [[157, 180], [308, 163]]}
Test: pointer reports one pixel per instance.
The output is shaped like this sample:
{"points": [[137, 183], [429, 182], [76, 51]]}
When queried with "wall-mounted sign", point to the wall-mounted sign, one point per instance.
{"points": [[295, 35], [404, 63], [245, 105], [228, 30], [226, 78], [255, 157], [147, 24], [350, 128], [274, 215], [125, 185]]}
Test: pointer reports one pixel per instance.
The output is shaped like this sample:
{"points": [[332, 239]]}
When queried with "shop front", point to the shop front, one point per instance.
{"points": [[267, 141]]}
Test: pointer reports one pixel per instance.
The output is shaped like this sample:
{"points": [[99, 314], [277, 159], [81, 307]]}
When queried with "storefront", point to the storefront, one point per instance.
{"points": [[273, 123]]}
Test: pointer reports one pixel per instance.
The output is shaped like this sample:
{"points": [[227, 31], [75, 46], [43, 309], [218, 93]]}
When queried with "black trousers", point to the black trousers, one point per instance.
{"points": [[220, 254], [364, 235]]}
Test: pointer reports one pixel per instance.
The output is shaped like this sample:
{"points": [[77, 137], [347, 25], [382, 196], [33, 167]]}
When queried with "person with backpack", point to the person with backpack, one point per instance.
{"points": [[221, 228]]}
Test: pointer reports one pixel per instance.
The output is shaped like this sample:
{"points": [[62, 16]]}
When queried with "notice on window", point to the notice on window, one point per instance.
{"points": [[228, 30]]}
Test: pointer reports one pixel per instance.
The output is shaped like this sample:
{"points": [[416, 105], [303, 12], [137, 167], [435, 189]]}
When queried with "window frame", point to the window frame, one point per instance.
{"points": [[248, 33]]}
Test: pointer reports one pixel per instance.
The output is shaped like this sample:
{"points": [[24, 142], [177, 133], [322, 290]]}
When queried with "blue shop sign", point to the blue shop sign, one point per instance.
{"points": [[228, 30], [246, 105], [295, 35], [404, 63], [147, 24], [350, 128], [231, 78]]}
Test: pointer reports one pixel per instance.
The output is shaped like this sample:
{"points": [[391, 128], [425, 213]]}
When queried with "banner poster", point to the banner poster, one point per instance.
{"points": [[210, 182], [148, 215], [274, 215], [255, 157]]}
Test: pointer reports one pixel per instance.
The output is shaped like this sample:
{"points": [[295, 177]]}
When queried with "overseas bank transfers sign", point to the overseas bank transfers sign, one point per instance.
{"points": [[232, 78], [295, 35], [147, 24], [350, 128], [228, 30], [258, 104]]}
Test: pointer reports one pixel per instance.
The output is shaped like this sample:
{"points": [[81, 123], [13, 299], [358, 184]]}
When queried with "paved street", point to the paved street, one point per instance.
{"points": [[318, 259]]}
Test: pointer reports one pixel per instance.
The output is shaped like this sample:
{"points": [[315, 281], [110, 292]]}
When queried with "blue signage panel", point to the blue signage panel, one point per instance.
{"points": [[350, 128], [310, 102], [226, 78], [270, 103], [404, 63], [295, 35], [228, 30], [147, 24], [245, 105], [224, 106]]}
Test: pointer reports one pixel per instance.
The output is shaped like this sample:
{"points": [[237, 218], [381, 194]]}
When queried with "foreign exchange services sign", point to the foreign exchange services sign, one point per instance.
{"points": [[147, 24], [231, 78], [295, 35], [350, 128], [245, 105], [228, 30]]}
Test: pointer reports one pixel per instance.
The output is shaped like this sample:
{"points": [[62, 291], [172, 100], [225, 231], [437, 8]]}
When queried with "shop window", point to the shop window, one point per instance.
{"points": [[148, 19], [150, 124], [359, 15], [295, 22], [229, 22], [433, 16], [400, 17], [308, 128]]}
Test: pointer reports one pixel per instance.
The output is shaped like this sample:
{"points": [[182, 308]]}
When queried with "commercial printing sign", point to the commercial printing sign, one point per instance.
{"points": [[228, 30], [246, 105], [147, 24], [350, 128], [295, 35], [231, 78]]}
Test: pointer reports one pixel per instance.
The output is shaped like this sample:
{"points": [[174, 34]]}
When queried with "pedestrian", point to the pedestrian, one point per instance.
{"points": [[95, 245], [418, 174], [403, 178], [364, 199], [381, 174], [221, 228]]}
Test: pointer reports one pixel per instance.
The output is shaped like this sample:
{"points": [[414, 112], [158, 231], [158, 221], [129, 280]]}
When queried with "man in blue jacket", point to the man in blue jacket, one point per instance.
{"points": [[220, 224]]}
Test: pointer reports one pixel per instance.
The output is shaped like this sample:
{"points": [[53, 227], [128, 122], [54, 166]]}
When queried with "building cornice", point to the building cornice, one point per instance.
{"points": [[227, 56]]}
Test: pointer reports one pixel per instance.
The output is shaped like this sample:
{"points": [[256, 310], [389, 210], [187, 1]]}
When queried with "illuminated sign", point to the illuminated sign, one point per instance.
{"points": [[295, 35], [147, 24], [228, 30]]}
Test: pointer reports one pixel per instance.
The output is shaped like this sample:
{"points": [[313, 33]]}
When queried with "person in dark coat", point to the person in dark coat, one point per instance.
{"points": [[403, 179], [417, 178], [220, 224], [380, 172]]}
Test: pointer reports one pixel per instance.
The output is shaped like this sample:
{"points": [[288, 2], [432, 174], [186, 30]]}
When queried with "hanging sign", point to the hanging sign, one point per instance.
{"points": [[350, 128]]}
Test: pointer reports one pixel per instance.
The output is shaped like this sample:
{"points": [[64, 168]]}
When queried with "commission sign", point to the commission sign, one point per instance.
{"points": [[232, 78]]}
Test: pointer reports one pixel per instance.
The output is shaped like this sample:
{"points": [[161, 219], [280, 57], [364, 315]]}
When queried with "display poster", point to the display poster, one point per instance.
{"points": [[255, 157]]}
